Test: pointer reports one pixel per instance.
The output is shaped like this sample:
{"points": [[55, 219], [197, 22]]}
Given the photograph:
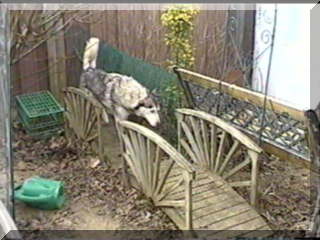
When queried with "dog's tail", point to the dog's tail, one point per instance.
{"points": [[91, 53]]}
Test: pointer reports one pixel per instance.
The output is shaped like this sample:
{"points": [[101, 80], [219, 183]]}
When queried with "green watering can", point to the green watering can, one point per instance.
{"points": [[41, 193]]}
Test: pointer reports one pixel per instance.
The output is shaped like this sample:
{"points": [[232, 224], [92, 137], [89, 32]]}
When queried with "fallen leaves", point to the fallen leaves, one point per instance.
{"points": [[88, 183], [94, 162], [284, 203]]}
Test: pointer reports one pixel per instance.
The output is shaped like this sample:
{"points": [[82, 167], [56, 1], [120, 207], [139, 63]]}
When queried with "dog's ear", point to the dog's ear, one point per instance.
{"points": [[148, 102]]}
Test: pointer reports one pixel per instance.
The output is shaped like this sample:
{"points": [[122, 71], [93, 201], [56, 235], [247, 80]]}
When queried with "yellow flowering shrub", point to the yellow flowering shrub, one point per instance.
{"points": [[178, 21]]}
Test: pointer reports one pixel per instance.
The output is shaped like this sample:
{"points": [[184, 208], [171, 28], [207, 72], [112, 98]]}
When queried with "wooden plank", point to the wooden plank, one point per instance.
{"points": [[237, 218], [32, 67], [240, 229], [170, 203], [241, 93], [157, 168], [197, 193], [199, 197], [213, 145], [205, 140], [176, 175], [204, 212], [97, 26], [205, 185], [240, 184], [261, 232], [164, 177], [208, 187], [53, 69], [134, 152], [100, 145], [229, 156], [152, 44], [61, 61], [254, 177], [234, 170], [188, 200], [150, 163], [221, 211], [248, 226], [190, 152], [111, 24], [220, 151], [195, 148], [221, 215], [176, 217], [221, 200], [75, 38], [170, 188], [57, 65]]}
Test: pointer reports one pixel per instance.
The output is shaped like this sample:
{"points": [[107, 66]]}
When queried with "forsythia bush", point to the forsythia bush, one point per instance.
{"points": [[179, 23]]}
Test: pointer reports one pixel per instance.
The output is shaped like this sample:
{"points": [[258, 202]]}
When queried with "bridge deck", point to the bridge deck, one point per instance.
{"points": [[216, 206]]}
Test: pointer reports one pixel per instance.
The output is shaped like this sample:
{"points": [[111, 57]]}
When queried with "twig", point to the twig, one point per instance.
{"points": [[14, 61], [80, 20]]}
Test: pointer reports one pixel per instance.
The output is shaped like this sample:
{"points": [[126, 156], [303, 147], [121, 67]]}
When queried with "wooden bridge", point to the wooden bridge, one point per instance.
{"points": [[84, 117], [194, 184], [196, 191]]}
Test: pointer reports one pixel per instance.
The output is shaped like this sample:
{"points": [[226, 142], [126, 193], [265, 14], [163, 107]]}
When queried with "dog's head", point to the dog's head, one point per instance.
{"points": [[148, 109]]}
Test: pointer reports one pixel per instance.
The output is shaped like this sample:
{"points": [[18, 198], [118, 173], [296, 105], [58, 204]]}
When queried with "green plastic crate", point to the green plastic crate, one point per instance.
{"points": [[40, 113]]}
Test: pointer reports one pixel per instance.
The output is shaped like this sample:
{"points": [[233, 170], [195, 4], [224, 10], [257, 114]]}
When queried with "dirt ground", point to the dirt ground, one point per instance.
{"points": [[97, 199]]}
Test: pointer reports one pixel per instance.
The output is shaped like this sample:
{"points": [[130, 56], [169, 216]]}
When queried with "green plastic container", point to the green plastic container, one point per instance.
{"points": [[41, 193], [40, 113]]}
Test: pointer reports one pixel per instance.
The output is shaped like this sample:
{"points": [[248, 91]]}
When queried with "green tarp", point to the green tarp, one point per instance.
{"points": [[111, 59]]}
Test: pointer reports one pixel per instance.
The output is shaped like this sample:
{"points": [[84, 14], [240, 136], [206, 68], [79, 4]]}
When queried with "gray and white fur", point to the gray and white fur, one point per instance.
{"points": [[121, 95]]}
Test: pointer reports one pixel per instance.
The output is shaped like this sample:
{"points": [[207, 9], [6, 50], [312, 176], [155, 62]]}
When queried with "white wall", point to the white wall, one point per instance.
{"points": [[290, 67], [315, 56]]}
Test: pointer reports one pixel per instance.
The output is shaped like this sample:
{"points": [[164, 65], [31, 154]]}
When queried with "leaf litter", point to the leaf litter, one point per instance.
{"points": [[96, 197], [96, 191]]}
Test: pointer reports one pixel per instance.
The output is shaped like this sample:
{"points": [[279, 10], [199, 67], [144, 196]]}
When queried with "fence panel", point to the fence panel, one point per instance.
{"points": [[139, 34]]}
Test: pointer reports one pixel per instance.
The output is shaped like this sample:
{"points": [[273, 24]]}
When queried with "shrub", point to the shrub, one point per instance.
{"points": [[178, 21]]}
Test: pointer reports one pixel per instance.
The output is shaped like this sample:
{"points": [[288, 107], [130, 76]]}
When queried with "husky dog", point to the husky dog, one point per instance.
{"points": [[121, 95]]}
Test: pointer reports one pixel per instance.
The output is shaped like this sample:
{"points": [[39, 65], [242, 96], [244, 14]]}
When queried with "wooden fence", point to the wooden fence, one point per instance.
{"points": [[139, 33]]}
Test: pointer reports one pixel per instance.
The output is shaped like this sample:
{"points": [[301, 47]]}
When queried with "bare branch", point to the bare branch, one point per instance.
{"points": [[29, 29], [52, 34]]}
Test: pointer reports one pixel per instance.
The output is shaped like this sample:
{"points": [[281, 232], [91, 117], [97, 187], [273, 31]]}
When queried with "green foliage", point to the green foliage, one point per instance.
{"points": [[178, 21]]}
